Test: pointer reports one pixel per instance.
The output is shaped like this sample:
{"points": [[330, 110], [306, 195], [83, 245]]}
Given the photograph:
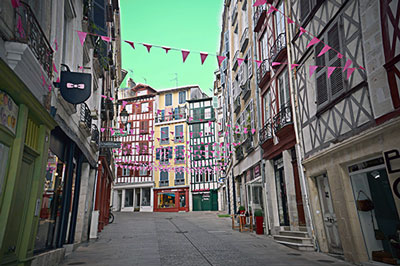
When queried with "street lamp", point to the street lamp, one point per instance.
{"points": [[124, 116]]}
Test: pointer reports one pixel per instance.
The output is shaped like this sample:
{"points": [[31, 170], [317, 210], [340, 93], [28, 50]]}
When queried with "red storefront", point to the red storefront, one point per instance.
{"points": [[171, 200], [103, 190]]}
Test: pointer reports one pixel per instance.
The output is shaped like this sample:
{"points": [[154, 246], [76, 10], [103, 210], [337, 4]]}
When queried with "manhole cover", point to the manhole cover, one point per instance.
{"points": [[76, 263], [294, 254], [326, 261]]}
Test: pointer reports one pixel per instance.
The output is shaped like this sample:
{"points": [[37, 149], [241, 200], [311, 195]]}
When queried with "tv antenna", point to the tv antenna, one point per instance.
{"points": [[176, 79]]}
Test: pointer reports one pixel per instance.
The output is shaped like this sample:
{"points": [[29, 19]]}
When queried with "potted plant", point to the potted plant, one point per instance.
{"points": [[242, 209], [259, 222]]}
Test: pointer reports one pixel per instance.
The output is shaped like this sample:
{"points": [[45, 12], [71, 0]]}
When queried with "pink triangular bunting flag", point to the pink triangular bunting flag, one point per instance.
{"points": [[15, 3], [220, 58], [259, 2], [166, 49], [330, 71], [203, 57], [105, 38], [131, 44], [350, 71], [272, 9], [346, 66], [313, 41], [292, 66], [240, 61], [302, 30], [258, 63], [275, 63], [290, 21], [339, 55], [82, 36], [312, 69], [102, 129], [361, 67], [148, 46], [185, 55], [54, 68], [324, 50]]}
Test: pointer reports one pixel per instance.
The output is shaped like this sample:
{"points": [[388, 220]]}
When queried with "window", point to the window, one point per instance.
{"points": [[180, 154], [144, 127], [306, 8], [179, 134], [179, 177], [208, 113], [143, 171], [283, 83], [182, 97], [168, 99], [196, 130], [128, 197], [143, 148], [164, 135], [145, 197], [267, 106], [145, 107], [141, 93], [280, 20], [166, 200], [126, 172], [128, 108], [329, 89], [249, 63], [164, 178], [164, 154]]}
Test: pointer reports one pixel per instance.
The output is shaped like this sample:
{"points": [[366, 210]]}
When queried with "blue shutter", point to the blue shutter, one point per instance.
{"points": [[169, 152], [158, 154], [162, 115], [176, 112]]}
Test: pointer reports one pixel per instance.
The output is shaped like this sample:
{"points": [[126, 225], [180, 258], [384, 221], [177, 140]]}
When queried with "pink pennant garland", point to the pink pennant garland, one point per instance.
{"points": [[350, 71], [302, 30], [324, 50], [166, 49], [313, 41], [105, 38], [275, 63], [15, 3], [272, 9], [82, 36], [185, 55], [203, 57], [220, 58], [312, 70], [54, 68], [260, 2], [346, 66], [292, 66], [148, 46], [131, 44], [339, 55], [102, 129], [258, 63], [330, 71], [240, 61], [290, 21]]}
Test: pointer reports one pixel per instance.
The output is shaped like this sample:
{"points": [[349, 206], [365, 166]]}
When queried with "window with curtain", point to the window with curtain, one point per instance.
{"points": [[168, 99], [182, 97]]}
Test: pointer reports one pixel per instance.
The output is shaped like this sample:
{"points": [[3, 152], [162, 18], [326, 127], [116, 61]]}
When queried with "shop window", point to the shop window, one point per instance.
{"points": [[128, 197], [145, 197], [166, 200], [4, 151]]}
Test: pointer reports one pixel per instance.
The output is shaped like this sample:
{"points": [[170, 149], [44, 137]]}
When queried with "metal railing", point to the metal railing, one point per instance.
{"points": [[28, 31], [266, 132], [85, 116], [164, 183], [178, 139], [95, 134], [170, 117], [179, 182], [263, 69], [260, 10], [279, 45], [244, 39], [283, 118]]}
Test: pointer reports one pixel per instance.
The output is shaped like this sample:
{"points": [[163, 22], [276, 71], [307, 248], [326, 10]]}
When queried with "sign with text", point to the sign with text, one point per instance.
{"points": [[110, 144]]}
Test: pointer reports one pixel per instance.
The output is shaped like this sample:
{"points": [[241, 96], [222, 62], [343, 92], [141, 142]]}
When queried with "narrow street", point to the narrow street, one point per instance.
{"points": [[196, 238]]}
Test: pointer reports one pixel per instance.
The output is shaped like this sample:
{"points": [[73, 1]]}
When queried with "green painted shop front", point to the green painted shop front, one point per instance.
{"points": [[25, 127], [207, 201]]}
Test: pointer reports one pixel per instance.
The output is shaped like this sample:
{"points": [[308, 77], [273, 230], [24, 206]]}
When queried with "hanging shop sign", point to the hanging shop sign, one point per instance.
{"points": [[257, 171], [110, 144], [75, 87], [8, 112]]}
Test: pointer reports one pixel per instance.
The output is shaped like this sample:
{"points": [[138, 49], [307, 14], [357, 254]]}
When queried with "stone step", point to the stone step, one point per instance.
{"points": [[293, 233], [293, 239], [301, 228], [298, 246]]}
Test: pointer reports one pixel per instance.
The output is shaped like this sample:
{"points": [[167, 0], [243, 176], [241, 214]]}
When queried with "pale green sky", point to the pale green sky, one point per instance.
{"points": [[184, 24]]}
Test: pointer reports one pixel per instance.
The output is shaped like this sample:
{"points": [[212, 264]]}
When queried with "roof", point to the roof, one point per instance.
{"points": [[177, 88], [200, 100]]}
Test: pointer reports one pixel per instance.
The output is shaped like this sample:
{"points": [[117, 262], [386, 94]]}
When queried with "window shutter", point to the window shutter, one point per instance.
{"points": [[336, 79], [176, 111], [322, 86], [249, 64], [162, 115], [169, 152], [322, 90], [158, 154], [109, 12]]}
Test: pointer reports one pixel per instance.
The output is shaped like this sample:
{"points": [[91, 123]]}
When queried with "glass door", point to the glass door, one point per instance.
{"points": [[281, 193], [182, 200]]}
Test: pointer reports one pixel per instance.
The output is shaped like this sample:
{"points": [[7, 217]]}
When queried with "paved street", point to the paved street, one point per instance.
{"points": [[195, 238]]}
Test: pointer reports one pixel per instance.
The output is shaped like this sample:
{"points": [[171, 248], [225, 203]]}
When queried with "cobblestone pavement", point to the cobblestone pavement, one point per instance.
{"points": [[195, 238]]}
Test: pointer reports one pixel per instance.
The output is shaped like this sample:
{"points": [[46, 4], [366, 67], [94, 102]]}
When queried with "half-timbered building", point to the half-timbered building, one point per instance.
{"points": [[133, 188], [277, 135], [349, 123], [204, 151]]}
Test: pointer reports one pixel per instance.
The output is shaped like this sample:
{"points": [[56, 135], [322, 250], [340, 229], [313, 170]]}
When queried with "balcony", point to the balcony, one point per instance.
{"points": [[266, 132], [94, 140], [85, 121], [263, 73], [170, 117], [234, 14], [259, 17], [179, 139], [244, 40], [235, 63], [239, 153], [283, 120], [246, 91], [32, 34], [278, 49], [236, 105], [179, 160]]}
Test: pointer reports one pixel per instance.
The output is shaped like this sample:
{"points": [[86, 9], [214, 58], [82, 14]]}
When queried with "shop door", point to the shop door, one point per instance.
{"points": [[197, 202], [281, 194], [182, 201], [299, 198], [329, 216], [214, 199], [206, 202], [17, 214], [137, 199]]}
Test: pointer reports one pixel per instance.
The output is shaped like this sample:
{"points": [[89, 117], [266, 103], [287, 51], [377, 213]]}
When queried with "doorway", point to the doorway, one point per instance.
{"points": [[329, 216], [137, 200], [182, 201], [281, 193]]}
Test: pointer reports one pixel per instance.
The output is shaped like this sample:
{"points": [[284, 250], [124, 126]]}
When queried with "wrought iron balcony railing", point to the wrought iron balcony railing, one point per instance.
{"points": [[258, 17], [28, 31], [178, 139], [170, 117], [283, 118], [95, 135], [179, 182], [279, 45], [244, 40], [85, 117], [266, 132], [263, 70], [164, 183]]}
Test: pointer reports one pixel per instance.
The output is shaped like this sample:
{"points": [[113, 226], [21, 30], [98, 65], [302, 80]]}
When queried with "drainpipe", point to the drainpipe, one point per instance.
{"points": [[294, 99]]}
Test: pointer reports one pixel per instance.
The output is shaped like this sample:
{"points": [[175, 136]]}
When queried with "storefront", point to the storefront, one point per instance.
{"points": [[133, 198], [254, 190], [24, 140], [171, 200], [205, 200]]}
